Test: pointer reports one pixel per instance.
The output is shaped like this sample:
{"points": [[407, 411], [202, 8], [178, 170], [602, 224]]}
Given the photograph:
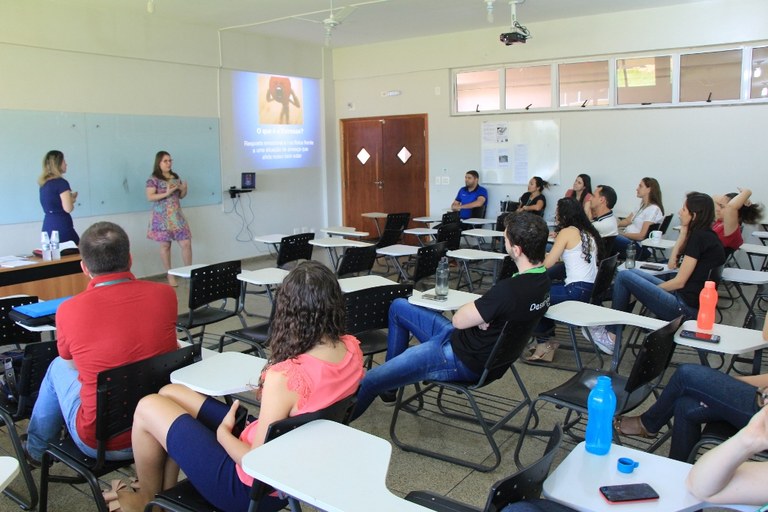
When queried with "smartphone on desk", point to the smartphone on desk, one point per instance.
{"points": [[432, 296], [700, 336], [628, 493], [651, 266]]}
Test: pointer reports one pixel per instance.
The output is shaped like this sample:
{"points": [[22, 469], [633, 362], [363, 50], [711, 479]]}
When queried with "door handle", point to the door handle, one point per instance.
{"points": [[379, 183]]}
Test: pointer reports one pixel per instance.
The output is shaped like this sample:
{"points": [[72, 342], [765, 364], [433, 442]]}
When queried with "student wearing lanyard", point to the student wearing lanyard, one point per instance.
{"points": [[455, 350]]}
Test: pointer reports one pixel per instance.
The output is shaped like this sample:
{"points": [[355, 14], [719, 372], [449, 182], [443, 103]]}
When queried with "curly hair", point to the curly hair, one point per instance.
{"points": [[529, 232], [748, 214], [309, 309], [570, 213]]}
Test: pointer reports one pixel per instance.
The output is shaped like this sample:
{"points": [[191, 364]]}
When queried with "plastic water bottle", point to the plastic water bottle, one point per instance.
{"points": [[601, 406], [45, 245], [707, 304], [631, 252], [55, 250], [441, 278]]}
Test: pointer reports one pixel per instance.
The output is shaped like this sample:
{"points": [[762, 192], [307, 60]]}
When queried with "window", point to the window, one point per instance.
{"points": [[644, 80], [477, 91], [759, 89], [528, 87], [710, 76], [584, 84]]}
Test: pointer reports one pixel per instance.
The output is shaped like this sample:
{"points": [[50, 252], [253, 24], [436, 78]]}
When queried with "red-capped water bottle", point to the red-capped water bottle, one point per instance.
{"points": [[707, 304]]}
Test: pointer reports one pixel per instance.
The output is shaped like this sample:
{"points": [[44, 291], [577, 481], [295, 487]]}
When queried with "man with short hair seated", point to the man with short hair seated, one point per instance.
{"points": [[117, 320], [602, 203], [470, 196], [457, 349]]}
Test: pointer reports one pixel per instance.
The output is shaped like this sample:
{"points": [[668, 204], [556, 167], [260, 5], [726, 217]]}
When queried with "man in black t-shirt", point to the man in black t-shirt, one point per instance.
{"points": [[457, 350]]}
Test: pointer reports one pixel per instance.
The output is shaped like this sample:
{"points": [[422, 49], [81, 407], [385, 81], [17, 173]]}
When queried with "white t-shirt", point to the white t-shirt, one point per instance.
{"points": [[606, 225], [650, 213]]}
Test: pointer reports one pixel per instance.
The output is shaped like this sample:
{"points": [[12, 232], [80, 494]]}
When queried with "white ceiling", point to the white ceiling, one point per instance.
{"points": [[371, 21]]}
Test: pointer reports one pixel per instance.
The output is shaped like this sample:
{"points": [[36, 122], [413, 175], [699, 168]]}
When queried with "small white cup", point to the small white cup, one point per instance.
{"points": [[655, 235]]}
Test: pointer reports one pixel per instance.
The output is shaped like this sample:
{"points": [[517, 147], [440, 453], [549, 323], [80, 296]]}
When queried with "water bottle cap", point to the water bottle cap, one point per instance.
{"points": [[626, 465], [709, 284]]}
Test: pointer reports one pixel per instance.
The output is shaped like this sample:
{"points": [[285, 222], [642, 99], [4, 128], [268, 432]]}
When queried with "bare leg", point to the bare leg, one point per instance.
{"points": [[153, 418], [165, 255], [186, 251]]}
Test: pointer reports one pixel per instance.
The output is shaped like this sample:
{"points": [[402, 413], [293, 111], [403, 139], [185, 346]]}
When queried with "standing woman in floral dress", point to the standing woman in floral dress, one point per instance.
{"points": [[165, 189]]}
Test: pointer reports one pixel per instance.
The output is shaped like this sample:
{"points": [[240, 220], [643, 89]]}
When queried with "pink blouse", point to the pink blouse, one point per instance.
{"points": [[318, 383], [732, 241]]}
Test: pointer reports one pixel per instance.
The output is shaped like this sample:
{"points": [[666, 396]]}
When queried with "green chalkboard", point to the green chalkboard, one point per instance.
{"points": [[109, 158]]}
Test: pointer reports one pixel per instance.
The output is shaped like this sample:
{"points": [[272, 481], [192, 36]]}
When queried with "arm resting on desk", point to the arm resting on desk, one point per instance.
{"points": [[468, 316], [722, 476]]}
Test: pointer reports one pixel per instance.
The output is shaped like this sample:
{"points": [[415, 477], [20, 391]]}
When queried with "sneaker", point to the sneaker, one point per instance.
{"points": [[601, 337], [389, 397]]}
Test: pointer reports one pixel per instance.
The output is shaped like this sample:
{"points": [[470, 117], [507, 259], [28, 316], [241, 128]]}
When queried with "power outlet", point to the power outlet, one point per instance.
{"points": [[446, 180]]}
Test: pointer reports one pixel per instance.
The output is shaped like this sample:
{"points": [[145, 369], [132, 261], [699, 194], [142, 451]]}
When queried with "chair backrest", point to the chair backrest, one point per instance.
{"points": [[527, 483], [294, 248], [665, 224], [478, 212], [214, 282], [10, 332], [427, 259], [608, 243], [368, 309], [500, 221], [654, 357], [716, 274], [508, 268], [34, 365], [605, 272], [389, 237], [450, 234], [119, 390], [356, 260], [507, 348], [652, 228], [450, 217], [397, 221]]}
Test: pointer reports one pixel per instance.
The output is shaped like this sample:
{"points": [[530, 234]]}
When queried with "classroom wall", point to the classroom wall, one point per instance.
{"points": [[713, 149], [98, 60]]}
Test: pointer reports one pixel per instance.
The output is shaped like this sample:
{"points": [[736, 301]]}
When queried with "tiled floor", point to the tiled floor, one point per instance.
{"points": [[410, 471]]}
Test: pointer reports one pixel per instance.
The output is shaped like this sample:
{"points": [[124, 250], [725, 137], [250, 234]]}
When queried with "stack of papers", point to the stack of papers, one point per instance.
{"points": [[15, 261]]}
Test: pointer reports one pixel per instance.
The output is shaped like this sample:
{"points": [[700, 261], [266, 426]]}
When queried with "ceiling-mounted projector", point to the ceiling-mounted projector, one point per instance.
{"points": [[510, 38]]}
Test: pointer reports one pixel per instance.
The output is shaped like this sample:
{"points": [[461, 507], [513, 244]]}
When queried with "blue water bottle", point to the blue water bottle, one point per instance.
{"points": [[601, 406]]}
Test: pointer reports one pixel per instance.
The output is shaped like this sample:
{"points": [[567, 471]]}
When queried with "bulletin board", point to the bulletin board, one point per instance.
{"points": [[515, 151]]}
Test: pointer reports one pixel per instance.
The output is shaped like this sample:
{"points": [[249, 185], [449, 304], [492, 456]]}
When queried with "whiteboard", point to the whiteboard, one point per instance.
{"points": [[109, 158], [515, 151]]}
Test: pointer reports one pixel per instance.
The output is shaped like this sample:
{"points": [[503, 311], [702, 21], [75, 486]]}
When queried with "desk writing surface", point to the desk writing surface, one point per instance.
{"points": [[733, 340], [222, 374], [330, 466]]}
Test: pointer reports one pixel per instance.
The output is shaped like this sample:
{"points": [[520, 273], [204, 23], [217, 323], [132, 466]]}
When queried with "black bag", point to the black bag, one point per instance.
{"points": [[11, 361]]}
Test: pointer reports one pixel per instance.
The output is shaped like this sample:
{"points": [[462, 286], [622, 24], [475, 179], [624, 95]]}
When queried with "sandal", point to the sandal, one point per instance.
{"points": [[110, 495], [545, 352], [632, 426]]}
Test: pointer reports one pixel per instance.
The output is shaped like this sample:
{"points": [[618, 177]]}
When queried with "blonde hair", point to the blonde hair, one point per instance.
{"points": [[51, 166]]}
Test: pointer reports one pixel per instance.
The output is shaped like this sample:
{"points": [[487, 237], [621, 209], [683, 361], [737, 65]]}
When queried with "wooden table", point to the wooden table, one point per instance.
{"points": [[330, 466], [46, 279]]}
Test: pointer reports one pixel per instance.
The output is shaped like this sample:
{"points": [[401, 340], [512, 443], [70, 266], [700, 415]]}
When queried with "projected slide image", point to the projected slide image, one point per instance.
{"points": [[276, 119], [281, 104]]}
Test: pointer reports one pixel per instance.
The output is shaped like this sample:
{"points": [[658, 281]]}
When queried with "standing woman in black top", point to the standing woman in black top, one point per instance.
{"points": [[534, 201]]}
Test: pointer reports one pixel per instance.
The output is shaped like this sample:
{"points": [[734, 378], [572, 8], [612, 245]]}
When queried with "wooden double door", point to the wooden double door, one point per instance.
{"points": [[385, 167]]}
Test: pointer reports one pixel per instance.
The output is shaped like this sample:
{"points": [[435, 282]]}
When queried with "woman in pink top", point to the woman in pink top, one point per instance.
{"points": [[731, 211], [582, 191], [313, 365]]}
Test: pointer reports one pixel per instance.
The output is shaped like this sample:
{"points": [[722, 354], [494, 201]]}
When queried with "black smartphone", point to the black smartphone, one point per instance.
{"points": [[700, 336], [628, 493], [651, 266]]}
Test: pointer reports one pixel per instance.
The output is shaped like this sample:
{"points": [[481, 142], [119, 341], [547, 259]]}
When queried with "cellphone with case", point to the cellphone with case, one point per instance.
{"points": [[628, 493], [700, 336]]}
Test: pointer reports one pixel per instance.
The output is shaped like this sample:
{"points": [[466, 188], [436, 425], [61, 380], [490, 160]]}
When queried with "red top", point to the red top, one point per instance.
{"points": [[117, 320], [732, 241]]}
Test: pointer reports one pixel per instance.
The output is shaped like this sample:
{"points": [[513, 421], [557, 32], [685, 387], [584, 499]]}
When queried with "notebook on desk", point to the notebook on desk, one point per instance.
{"points": [[36, 314]]}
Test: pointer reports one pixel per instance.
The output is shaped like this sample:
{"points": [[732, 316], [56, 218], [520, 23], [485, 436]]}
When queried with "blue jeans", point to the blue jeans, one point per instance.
{"points": [[56, 406], [537, 505], [695, 395], [431, 359], [644, 286], [561, 292]]}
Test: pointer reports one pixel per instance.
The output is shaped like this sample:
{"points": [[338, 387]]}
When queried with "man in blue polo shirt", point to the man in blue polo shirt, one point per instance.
{"points": [[471, 196]]}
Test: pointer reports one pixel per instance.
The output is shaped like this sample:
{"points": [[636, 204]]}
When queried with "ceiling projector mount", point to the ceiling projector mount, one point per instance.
{"points": [[517, 33]]}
